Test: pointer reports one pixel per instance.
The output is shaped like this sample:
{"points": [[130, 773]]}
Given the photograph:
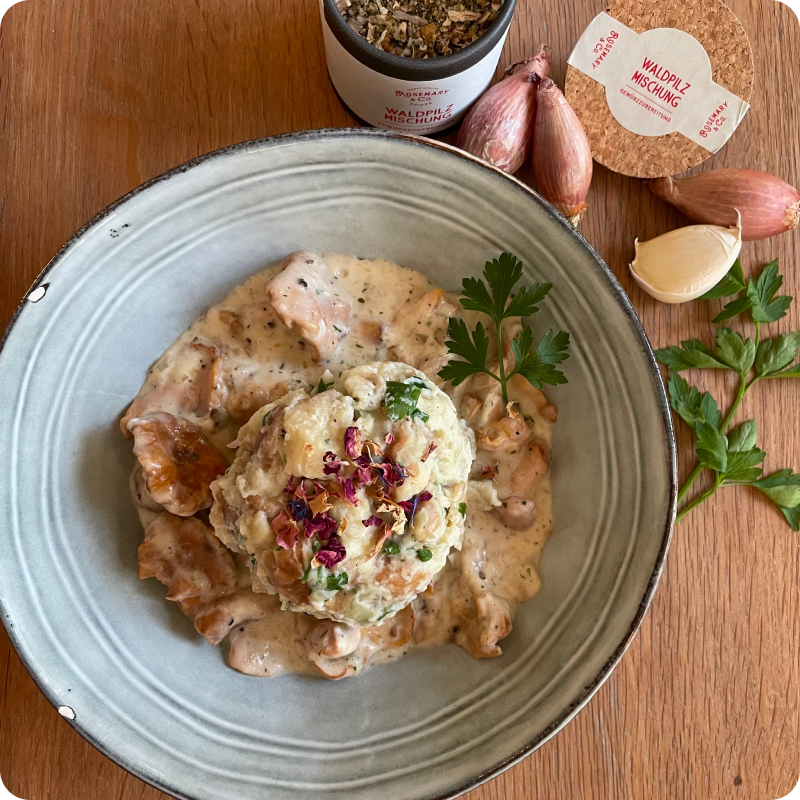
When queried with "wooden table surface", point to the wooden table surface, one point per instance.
{"points": [[97, 96]]}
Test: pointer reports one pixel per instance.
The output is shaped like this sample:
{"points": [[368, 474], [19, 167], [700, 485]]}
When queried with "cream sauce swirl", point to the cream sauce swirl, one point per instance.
{"points": [[240, 355]]}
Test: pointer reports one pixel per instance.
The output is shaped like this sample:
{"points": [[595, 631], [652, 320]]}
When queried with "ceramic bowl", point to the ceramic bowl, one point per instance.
{"points": [[125, 667]]}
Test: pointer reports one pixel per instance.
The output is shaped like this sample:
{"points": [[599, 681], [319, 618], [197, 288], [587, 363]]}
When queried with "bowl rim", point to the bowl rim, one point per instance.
{"points": [[593, 686]]}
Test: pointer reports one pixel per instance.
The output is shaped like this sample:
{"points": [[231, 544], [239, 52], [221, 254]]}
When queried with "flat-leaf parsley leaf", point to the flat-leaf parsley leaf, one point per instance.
{"points": [[536, 364], [402, 397], [734, 457]]}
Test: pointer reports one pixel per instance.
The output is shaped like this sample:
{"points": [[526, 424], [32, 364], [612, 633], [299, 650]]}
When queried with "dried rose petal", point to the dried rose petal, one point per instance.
{"points": [[376, 491], [319, 487], [286, 530], [372, 448], [319, 503], [431, 447], [291, 486], [353, 443], [330, 554], [363, 476], [349, 488], [392, 473], [490, 471], [410, 506], [323, 525], [363, 460], [383, 534], [373, 522], [297, 487], [388, 506], [332, 464], [389, 438]]}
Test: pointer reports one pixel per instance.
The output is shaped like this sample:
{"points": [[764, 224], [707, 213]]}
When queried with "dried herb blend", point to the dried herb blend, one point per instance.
{"points": [[420, 28]]}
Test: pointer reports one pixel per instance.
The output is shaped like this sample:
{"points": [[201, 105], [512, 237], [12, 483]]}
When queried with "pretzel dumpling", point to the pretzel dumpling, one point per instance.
{"points": [[345, 502]]}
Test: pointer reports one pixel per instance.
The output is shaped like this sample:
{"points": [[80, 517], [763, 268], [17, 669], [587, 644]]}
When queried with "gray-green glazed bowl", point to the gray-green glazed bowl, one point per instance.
{"points": [[125, 667]]}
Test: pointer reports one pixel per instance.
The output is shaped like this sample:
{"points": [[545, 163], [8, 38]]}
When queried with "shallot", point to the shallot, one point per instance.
{"points": [[562, 157], [499, 126], [768, 205]]}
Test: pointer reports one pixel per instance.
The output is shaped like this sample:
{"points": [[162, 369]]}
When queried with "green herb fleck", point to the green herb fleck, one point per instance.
{"points": [[423, 554], [402, 398], [391, 548], [336, 582], [462, 509], [322, 386]]}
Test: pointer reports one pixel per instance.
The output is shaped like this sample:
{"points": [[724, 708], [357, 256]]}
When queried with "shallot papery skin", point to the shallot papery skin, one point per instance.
{"points": [[499, 126], [562, 157], [768, 205]]}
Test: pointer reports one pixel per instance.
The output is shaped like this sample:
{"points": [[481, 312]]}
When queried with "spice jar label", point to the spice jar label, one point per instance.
{"points": [[420, 107], [658, 82]]}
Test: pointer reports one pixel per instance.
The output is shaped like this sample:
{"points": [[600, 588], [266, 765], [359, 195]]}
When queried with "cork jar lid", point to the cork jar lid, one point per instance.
{"points": [[722, 36]]}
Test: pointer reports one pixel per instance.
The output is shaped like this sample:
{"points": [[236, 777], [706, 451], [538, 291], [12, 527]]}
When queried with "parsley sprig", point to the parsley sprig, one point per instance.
{"points": [[537, 365], [732, 455]]}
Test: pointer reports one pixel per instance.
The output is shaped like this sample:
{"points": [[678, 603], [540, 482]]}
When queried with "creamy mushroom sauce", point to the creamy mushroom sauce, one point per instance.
{"points": [[238, 356]]}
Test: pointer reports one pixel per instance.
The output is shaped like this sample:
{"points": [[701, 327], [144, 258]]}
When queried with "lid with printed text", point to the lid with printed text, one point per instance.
{"points": [[660, 86]]}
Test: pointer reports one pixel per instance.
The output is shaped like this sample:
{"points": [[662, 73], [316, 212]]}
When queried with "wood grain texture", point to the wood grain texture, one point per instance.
{"points": [[97, 96]]}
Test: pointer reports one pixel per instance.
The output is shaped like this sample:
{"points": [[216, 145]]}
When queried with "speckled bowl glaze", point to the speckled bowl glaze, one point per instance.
{"points": [[126, 667]]}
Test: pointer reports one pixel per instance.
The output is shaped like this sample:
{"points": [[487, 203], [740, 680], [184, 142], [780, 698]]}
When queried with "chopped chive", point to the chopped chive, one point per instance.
{"points": [[423, 554], [391, 548]]}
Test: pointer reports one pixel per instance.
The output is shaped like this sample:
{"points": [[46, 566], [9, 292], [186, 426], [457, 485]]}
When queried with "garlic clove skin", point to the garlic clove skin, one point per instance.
{"points": [[685, 263], [768, 205]]}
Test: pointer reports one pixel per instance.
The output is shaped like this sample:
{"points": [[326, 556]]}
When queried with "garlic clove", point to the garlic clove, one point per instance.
{"points": [[685, 263]]}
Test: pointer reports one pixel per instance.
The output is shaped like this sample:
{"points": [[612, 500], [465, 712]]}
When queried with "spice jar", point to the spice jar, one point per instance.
{"points": [[409, 94]]}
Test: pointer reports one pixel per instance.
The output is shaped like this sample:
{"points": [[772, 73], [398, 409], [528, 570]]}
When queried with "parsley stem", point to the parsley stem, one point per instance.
{"points": [[700, 499], [500, 360], [684, 490], [744, 387]]}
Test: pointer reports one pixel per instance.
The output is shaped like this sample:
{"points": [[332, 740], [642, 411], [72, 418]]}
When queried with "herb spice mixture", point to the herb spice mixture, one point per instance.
{"points": [[420, 28]]}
